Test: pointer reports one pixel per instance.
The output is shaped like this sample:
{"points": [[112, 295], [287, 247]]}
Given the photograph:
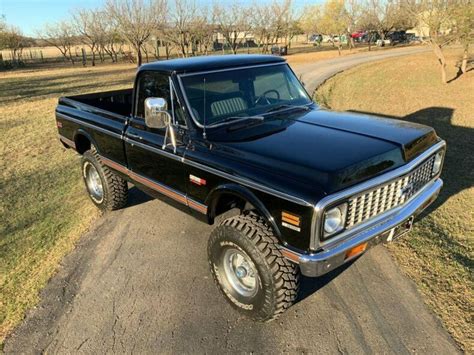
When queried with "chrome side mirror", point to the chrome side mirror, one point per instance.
{"points": [[156, 115]]}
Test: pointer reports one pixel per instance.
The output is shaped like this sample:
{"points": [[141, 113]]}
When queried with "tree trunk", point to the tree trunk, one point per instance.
{"points": [[93, 57], [139, 54], [464, 58], [441, 59]]}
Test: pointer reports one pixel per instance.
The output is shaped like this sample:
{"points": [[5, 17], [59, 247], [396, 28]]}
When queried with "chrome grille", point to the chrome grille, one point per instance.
{"points": [[373, 202]]}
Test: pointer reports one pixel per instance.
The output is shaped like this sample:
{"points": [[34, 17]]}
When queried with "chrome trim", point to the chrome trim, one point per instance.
{"points": [[79, 122], [67, 141], [333, 256], [152, 149], [315, 242], [231, 68], [248, 183], [185, 96]]}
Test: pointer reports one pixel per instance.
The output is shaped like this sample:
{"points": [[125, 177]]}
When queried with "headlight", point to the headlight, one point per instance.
{"points": [[335, 219], [438, 161]]}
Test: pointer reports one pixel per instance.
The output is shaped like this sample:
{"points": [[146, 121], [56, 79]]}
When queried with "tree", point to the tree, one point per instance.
{"points": [[203, 31], [137, 20], [60, 35], [261, 17], [334, 20], [463, 27], [311, 19], [439, 18], [271, 22], [353, 17], [447, 21], [110, 42], [180, 25], [3, 23], [88, 25], [12, 39], [385, 16], [233, 23]]}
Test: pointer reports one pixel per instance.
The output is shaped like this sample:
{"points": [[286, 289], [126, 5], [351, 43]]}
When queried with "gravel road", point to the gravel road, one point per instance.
{"points": [[138, 282]]}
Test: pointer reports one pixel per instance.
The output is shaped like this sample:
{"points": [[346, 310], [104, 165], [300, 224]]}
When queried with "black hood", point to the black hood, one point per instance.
{"points": [[328, 150]]}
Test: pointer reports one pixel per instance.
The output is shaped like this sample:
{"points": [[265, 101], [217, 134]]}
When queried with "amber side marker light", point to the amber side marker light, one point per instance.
{"points": [[355, 251]]}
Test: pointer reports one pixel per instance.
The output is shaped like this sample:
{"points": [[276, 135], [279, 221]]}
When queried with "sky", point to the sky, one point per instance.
{"points": [[30, 15]]}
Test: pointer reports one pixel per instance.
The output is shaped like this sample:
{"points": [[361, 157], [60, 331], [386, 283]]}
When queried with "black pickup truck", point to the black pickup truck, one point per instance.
{"points": [[294, 189]]}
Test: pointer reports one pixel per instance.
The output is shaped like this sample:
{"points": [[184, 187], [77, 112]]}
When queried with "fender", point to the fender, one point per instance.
{"points": [[246, 195]]}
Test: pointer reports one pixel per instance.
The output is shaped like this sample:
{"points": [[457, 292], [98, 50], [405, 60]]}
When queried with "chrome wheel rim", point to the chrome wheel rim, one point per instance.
{"points": [[93, 182], [240, 272]]}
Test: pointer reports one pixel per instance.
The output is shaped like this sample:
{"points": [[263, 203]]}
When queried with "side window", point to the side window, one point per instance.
{"points": [[152, 84]]}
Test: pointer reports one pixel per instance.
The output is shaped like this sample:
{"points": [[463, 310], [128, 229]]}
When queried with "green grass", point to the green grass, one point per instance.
{"points": [[43, 208], [437, 254]]}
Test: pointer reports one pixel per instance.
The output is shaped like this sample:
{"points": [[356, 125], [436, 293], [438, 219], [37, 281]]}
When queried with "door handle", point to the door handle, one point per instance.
{"points": [[135, 136]]}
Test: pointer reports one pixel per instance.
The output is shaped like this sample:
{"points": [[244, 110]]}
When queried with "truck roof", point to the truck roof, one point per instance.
{"points": [[214, 62]]}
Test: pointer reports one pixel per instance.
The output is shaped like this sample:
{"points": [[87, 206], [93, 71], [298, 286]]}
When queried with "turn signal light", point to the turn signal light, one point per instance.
{"points": [[355, 251]]}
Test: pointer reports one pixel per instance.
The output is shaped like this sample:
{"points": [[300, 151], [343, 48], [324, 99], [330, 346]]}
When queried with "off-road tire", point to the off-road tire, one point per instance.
{"points": [[115, 189], [278, 278]]}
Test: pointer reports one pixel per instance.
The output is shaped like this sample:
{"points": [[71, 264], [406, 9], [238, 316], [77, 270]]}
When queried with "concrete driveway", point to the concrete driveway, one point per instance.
{"points": [[139, 282], [314, 74]]}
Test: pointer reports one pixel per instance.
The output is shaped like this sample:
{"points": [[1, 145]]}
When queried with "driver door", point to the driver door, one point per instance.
{"points": [[151, 164]]}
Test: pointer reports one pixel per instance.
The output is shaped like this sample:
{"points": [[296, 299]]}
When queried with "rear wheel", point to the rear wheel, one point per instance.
{"points": [[249, 268], [107, 190]]}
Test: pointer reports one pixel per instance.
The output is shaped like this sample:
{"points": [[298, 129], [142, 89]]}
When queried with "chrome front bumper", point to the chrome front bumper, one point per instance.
{"points": [[334, 255]]}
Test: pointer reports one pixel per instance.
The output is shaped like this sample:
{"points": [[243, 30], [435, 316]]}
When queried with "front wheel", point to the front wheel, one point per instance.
{"points": [[107, 190], [249, 268]]}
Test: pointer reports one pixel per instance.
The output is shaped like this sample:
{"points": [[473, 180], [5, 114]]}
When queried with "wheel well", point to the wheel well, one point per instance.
{"points": [[229, 204], [83, 143]]}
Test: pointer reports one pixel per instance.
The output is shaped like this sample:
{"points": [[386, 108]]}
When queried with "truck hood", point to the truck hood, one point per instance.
{"points": [[327, 150]]}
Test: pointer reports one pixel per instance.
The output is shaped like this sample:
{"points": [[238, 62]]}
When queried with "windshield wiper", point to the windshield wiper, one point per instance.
{"points": [[285, 107], [234, 119]]}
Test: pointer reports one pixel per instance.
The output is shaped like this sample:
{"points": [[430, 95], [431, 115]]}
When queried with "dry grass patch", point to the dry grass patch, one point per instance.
{"points": [[437, 255], [43, 209]]}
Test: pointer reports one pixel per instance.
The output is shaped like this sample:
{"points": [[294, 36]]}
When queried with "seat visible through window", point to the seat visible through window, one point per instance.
{"points": [[228, 106]]}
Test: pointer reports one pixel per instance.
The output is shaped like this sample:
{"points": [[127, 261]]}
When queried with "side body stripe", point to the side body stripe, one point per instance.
{"points": [[67, 141], [163, 189]]}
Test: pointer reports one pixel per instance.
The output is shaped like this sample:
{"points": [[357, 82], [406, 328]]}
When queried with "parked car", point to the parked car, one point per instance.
{"points": [[237, 141], [383, 42], [315, 39], [279, 50]]}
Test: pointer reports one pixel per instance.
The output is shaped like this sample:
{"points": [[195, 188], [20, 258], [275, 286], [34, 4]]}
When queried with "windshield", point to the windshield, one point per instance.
{"points": [[232, 94]]}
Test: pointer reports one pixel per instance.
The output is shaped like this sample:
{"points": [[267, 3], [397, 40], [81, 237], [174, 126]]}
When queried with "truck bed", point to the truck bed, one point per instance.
{"points": [[117, 101]]}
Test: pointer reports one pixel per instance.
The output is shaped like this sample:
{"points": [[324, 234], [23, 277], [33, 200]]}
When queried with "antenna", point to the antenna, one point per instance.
{"points": [[204, 111]]}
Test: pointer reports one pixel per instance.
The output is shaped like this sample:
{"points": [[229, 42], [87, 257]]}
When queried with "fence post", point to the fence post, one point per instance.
{"points": [[83, 57]]}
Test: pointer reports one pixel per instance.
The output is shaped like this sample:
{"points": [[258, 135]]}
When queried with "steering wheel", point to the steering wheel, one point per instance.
{"points": [[264, 96]]}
